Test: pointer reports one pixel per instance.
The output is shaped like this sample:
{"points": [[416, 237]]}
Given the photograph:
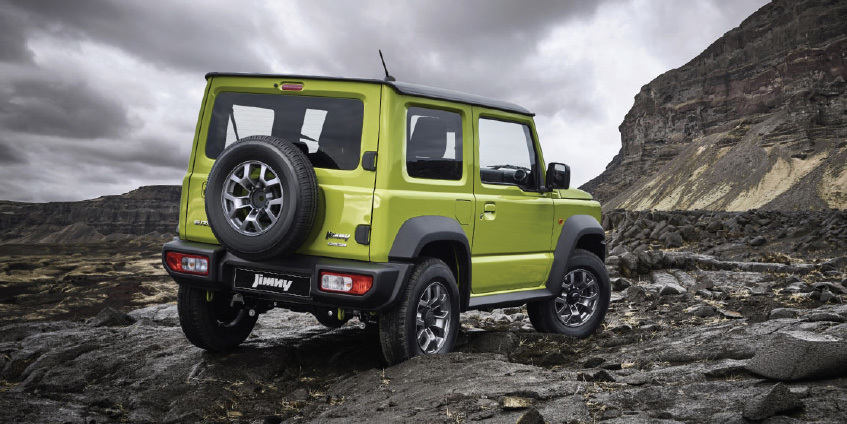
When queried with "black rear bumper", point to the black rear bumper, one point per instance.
{"points": [[388, 278]]}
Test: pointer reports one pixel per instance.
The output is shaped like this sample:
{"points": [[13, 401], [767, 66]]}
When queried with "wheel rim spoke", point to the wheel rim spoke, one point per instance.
{"points": [[432, 319], [252, 205], [578, 301], [592, 296]]}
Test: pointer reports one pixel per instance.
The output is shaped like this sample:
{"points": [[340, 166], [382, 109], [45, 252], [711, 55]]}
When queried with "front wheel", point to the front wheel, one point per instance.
{"points": [[215, 321], [581, 302], [426, 320]]}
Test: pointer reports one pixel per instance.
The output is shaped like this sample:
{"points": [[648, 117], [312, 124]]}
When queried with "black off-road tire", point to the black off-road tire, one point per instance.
{"points": [[397, 327], [208, 320], [543, 314], [299, 193]]}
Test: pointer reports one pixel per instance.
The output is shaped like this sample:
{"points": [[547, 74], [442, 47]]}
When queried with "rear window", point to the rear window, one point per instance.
{"points": [[328, 130]]}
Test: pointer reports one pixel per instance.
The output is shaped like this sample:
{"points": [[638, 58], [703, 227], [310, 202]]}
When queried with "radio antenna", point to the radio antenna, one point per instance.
{"points": [[387, 76]]}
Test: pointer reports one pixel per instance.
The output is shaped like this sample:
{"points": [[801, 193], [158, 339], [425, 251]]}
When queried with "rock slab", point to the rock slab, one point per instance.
{"points": [[799, 355]]}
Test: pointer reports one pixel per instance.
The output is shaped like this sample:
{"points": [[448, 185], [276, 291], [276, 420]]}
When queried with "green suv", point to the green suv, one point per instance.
{"points": [[398, 204]]}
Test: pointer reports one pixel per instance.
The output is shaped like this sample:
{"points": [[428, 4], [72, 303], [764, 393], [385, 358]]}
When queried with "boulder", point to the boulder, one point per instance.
{"points": [[701, 311], [672, 240], [593, 362], [797, 355], [531, 417], [782, 313], [831, 286], [109, 317], [629, 263], [688, 233], [620, 284], [776, 400], [618, 250], [671, 289], [758, 241]]}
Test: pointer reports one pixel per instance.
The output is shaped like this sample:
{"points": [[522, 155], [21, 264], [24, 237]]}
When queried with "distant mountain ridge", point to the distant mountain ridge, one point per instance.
{"points": [[758, 120], [151, 211]]}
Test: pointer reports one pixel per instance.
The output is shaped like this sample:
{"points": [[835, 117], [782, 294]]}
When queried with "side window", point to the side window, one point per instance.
{"points": [[506, 154], [433, 144]]}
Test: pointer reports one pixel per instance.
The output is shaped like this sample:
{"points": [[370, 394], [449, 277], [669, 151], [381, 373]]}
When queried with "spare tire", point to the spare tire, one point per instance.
{"points": [[261, 197]]}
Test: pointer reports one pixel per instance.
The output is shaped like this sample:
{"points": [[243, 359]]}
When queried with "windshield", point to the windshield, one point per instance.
{"points": [[328, 130]]}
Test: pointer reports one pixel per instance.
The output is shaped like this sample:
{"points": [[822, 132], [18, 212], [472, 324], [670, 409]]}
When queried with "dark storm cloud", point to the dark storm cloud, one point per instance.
{"points": [[53, 107], [479, 46], [102, 95], [13, 46], [196, 36], [8, 153], [145, 151]]}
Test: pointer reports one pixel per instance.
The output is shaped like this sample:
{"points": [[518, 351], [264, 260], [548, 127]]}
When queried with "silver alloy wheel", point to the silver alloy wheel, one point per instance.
{"points": [[578, 300], [432, 319], [252, 198]]}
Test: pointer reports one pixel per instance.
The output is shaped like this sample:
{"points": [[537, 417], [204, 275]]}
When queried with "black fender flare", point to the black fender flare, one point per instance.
{"points": [[575, 228], [419, 231]]}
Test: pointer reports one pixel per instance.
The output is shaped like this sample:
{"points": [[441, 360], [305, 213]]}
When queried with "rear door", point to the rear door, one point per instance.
{"points": [[511, 241], [425, 166], [336, 122]]}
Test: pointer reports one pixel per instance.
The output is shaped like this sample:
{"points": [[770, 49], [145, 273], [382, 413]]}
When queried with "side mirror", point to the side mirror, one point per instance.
{"points": [[558, 176]]}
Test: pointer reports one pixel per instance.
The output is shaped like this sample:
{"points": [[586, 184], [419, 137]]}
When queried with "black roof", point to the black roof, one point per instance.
{"points": [[402, 88]]}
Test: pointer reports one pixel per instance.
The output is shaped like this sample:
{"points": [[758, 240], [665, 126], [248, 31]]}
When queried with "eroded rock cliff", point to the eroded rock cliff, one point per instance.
{"points": [[150, 210], [758, 120]]}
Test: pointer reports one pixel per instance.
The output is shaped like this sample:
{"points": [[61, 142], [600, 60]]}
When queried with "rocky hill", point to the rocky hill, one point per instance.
{"points": [[758, 120], [148, 211]]}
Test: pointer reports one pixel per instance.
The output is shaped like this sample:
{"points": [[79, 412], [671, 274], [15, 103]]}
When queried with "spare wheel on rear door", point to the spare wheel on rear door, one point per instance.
{"points": [[261, 197]]}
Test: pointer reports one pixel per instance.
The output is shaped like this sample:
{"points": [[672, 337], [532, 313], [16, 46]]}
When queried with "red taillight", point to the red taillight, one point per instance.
{"points": [[189, 264], [291, 86], [345, 283]]}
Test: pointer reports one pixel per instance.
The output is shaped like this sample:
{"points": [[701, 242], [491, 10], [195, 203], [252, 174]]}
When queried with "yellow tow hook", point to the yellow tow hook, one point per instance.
{"points": [[340, 314], [209, 295]]}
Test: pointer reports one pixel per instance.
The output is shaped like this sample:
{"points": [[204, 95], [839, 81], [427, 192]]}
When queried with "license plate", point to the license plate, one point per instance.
{"points": [[297, 285]]}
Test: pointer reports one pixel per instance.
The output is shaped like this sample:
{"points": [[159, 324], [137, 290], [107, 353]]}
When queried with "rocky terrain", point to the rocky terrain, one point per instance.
{"points": [[75, 281], [757, 120], [708, 323], [644, 240]]}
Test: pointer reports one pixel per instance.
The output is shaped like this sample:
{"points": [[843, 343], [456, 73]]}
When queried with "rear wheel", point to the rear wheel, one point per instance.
{"points": [[215, 321], [581, 302], [426, 320]]}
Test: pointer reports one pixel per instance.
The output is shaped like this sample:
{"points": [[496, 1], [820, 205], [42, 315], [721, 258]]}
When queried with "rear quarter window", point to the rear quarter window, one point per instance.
{"points": [[433, 144]]}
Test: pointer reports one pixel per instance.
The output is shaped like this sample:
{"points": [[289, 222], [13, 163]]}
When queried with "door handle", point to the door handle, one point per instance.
{"points": [[488, 211]]}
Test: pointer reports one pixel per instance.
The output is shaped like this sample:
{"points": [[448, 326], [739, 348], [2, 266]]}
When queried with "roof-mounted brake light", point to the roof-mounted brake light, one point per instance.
{"points": [[291, 86]]}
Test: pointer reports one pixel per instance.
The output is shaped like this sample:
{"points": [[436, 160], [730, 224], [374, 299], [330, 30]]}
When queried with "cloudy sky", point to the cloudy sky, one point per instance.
{"points": [[100, 97]]}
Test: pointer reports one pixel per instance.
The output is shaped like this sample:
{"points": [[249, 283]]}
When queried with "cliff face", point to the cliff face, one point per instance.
{"points": [[758, 120], [151, 211]]}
